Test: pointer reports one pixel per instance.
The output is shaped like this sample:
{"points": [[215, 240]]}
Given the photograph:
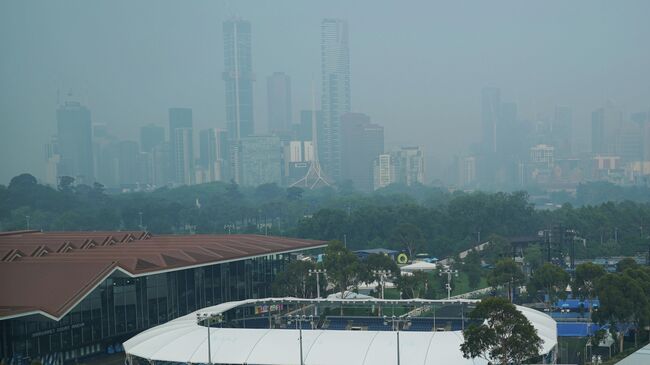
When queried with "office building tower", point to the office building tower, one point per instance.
{"points": [[335, 97], [162, 172], [278, 90], [562, 131], [74, 135], [261, 160], [605, 130], [182, 149], [410, 166], [383, 171], [490, 109], [238, 77], [52, 160], [151, 135], [467, 171], [128, 158], [361, 143], [213, 148]]}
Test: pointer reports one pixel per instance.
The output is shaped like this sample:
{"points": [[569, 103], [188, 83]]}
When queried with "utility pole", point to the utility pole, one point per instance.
{"points": [[448, 271], [299, 320], [382, 274], [27, 218], [317, 272], [206, 317], [141, 226], [395, 322]]}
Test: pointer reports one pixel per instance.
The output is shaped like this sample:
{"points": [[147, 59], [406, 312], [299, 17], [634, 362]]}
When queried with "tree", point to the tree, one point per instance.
{"points": [[585, 280], [551, 279], [22, 181], [505, 336], [413, 286], [295, 281], [294, 193], [409, 236], [343, 268], [377, 262], [472, 267], [506, 273], [622, 301], [626, 263], [66, 184]]}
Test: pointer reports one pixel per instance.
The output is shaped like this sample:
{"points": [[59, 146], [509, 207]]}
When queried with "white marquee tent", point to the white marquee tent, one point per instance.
{"points": [[183, 340]]}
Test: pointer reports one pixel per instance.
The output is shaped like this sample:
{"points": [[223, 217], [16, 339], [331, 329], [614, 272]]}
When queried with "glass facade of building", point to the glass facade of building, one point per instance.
{"points": [[122, 306]]}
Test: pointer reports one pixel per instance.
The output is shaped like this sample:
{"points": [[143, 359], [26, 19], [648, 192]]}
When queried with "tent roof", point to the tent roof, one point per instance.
{"points": [[183, 340]]}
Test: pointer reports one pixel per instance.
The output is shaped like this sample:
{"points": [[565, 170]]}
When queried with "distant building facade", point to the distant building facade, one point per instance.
{"points": [[278, 90], [361, 143], [261, 160], [335, 96], [75, 147], [238, 76], [181, 143]]}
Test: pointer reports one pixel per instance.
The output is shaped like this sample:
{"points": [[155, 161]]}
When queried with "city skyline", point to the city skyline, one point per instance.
{"points": [[441, 142]]}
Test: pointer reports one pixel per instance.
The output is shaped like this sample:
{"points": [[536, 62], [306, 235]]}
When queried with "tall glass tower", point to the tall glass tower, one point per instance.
{"points": [[335, 97], [238, 75]]}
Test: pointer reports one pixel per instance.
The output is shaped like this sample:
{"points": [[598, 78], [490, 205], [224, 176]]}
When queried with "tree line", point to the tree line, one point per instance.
{"points": [[414, 219]]}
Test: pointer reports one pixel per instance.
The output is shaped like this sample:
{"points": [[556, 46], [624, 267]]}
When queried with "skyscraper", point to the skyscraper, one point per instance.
{"points": [[361, 143], [261, 160], [335, 97], [562, 131], [151, 135], [605, 129], [182, 148], [278, 90], [490, 105], [213, 148], [74, 135], [238, 75]]}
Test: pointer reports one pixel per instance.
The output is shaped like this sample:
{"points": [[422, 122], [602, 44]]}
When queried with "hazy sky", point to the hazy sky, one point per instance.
{"points": [[417, 67]]}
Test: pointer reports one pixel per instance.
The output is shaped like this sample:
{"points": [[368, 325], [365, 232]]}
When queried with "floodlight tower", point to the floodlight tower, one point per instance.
{"points": [[449, 272]]}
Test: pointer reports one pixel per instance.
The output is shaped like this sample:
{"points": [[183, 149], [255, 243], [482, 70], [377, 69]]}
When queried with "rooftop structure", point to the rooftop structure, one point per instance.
{"points": [[284, 331], [68, 295]]}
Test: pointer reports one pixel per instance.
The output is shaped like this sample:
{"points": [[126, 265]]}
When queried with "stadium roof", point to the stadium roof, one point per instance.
{"points": [[183, 340], [49, 273]]}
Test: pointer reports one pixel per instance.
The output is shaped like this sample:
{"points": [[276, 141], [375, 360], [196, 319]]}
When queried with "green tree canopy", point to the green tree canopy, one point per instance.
{"points": [[585, 279], [507, 273], [343, 267], [552, 279], [505, 337]]}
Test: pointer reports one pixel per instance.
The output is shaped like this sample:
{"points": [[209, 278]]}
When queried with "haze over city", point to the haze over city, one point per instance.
{"points": [[417, 69]]}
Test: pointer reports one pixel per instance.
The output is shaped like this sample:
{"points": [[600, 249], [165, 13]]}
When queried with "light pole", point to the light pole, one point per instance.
{"points": [[208, 319], [382, 274], [448, 271], [317, 272], [396, 322], [596, 359], [27, 218], [229, 227], [299, 320]]}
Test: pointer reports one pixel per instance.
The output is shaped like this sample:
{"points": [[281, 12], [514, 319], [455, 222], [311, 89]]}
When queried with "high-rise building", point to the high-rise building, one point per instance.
{"points": [[383, 171], [74, 135], [278, 90], [410, 169], [162, 172], [490, 111], [605, 126], [128, 163], [467, 171], [213, 148], [238, 76], [182, 149], [562, 131], [151, 135], [261, 160], [335, 97], [404, 166], [361, 143], [303, 130]]}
